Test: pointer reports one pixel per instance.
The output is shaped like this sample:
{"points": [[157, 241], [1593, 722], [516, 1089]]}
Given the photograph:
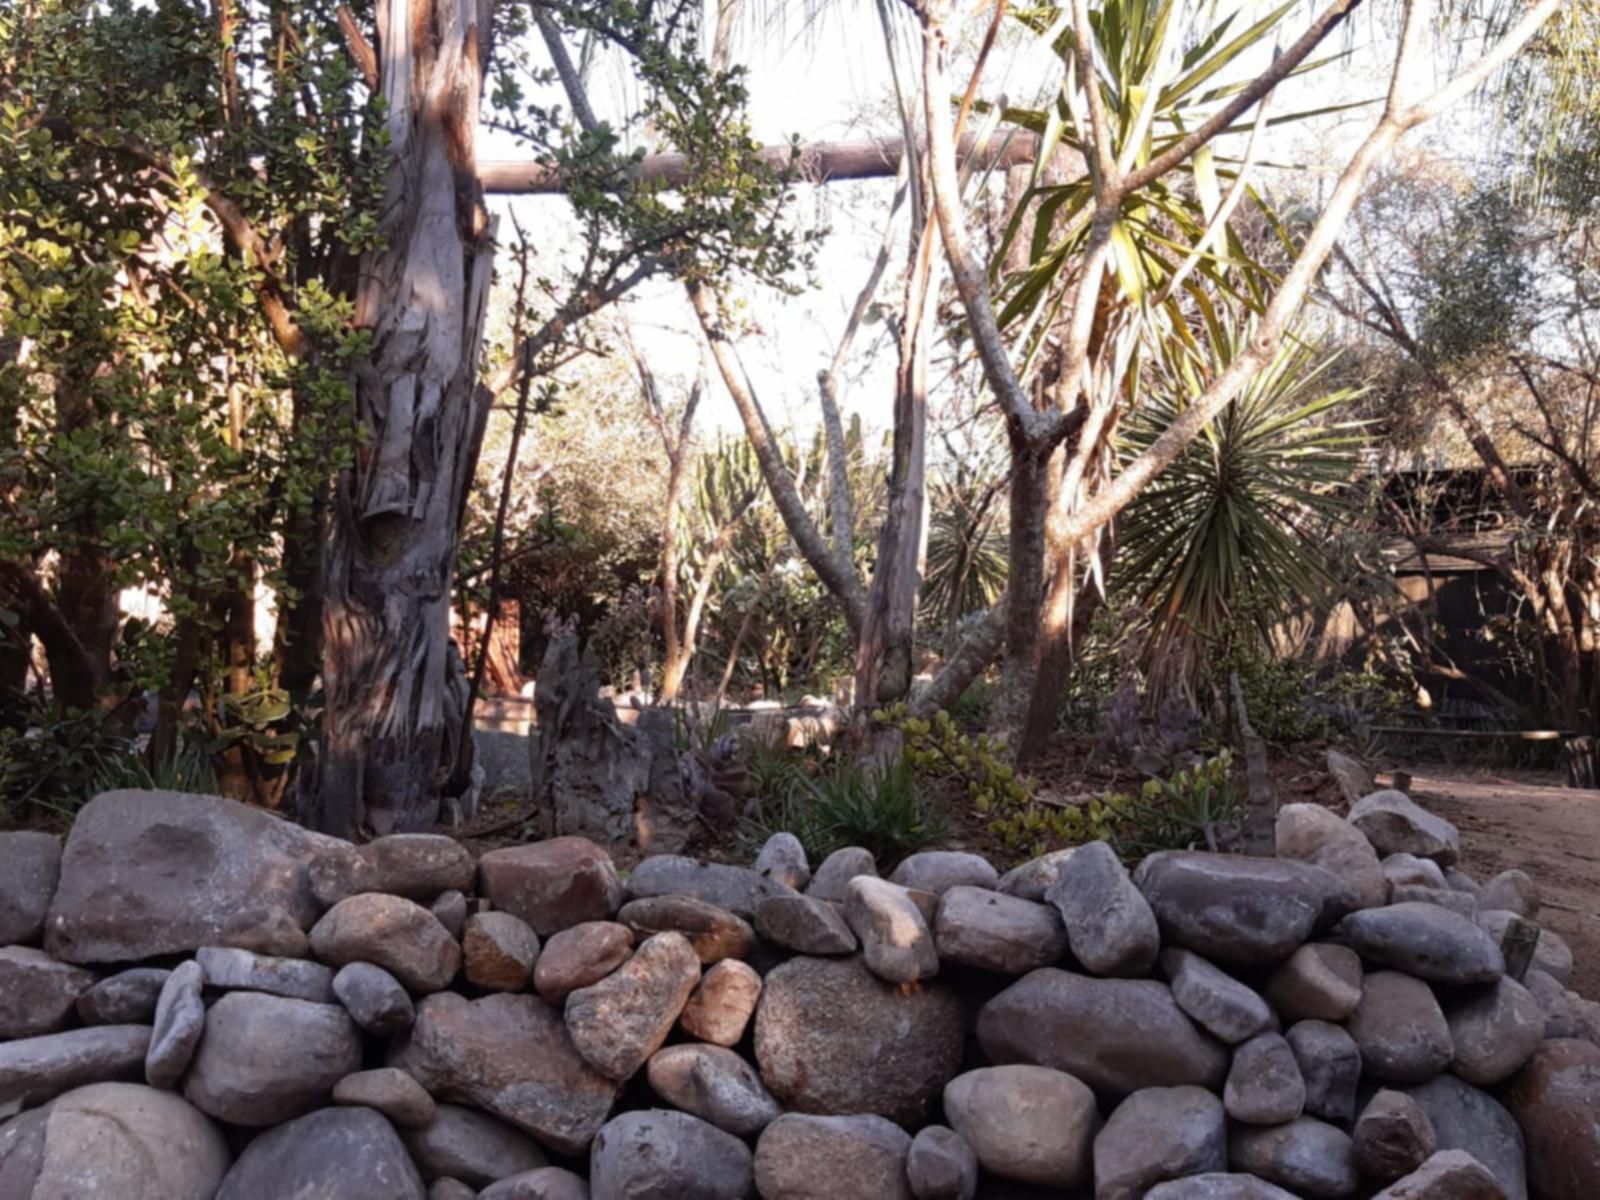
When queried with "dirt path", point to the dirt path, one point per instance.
{"points": [[1523, 820]]}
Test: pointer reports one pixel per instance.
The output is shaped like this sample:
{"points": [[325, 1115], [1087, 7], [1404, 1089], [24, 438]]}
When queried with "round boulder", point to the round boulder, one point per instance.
{"points": [[1556, 1101], [1028, 1123], [351, 1153], [656, 1154], [800, 1157]]}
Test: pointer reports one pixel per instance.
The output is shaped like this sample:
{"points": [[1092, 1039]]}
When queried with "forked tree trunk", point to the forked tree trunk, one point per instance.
{"points": [[391, 723]]}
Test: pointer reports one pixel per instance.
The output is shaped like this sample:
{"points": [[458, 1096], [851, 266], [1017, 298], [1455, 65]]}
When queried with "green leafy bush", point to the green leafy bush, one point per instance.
{"points": [[849, 804], [1198, 808]]}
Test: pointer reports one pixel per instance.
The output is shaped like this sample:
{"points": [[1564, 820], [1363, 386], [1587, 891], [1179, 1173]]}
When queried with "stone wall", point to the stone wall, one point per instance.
{"points": [[198, 1000]]}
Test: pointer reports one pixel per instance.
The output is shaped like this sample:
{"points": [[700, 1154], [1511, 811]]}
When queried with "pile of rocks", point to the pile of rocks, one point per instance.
{"points": [[199, 1000]]}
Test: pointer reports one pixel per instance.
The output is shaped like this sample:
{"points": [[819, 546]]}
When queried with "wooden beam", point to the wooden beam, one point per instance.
{"points": [[817, 162]]}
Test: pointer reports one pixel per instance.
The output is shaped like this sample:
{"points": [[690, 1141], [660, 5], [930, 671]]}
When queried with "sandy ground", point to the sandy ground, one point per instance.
{"points": [[1523, 819]]}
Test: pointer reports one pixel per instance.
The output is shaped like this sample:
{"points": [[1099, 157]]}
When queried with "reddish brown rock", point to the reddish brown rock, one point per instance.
{"points": [[722, 1004], [715, 933], [618, 1023], [552, 885], [396, 934], [37, 993], [1556, 1101], [499, 951], [579, 956]]}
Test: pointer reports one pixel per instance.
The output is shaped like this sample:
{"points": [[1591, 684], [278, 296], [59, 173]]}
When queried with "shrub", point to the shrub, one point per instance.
{"points": [[1198, 808], [849, 804]]}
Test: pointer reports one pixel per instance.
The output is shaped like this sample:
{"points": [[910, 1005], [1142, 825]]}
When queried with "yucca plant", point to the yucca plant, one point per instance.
{"points": [[966, 559]]}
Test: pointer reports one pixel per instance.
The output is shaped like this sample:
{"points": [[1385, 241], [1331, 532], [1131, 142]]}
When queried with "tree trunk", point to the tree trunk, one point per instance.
{"points": [[1024, 589], [391, 724]]}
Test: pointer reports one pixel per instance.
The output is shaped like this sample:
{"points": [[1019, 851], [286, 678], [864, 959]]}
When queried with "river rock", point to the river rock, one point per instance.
{"points": [[552, 885], [1556, 1101], [1032, 880], [270, 931], [1218, 1185], [805, 925], [1551, 954], [737, 889], [830, 879], [1354, 777], [265, 1059], [1400, 1029], [465, 1144], [715, 933], [1320, 981], [180, 1019], [1494, 1030], [418, 866], [980, 927], [396, 934], [375, 999], [1407, 870], [1306, 1156], [1110, 926], [833, 1038], [1158, 1134], [941, 1166], [621, 1021], [392, 1092], [33, 1070], [1142, 1038], [546, 1183], [938, 871], [1459, 903], [895, 940], [1310, 833], [800, 1157], [126, 998], [37, 993], [33, 865], [1424, 940], [1447, 1175], [1236, 909], [228, 969], [151, 873], [576, 957], [1330, 1065], [1033, 1124], [722, 1003], [714, 1084], [511, 1055], [1466, 1118], [1215, 1000], [657, 1154], [1396, 824], [783, 858], [1392, 1136], [498, 951], [1512, 891], [1264, 1085], [450, 909], [350, 1153]]}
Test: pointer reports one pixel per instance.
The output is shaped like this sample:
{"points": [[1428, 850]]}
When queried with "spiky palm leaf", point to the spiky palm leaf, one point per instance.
{"points": [[966, 561]]}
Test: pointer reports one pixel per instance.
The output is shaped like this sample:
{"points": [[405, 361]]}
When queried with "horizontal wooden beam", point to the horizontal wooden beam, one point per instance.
{"points": [[816, 162]]}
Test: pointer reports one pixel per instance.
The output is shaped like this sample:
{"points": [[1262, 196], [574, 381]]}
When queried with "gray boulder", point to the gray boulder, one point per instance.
{"points": [[375, 999], [37, 993], [830, 879], [1330, 1064], [1306, 1156], [715, 933], [938, 871], [737, 889], [1310, 833], [1447, 1175], [1110, 926], [1392, 1136], [1218, 1185], [241, 970], [1396, 824], [980, 927], [1465, 1118], [546, 1183], [396, 934], [714, 1084], [783, 858], [1320, 981], [1215, 1000], [1400, 1029], [126, 998], [350, 1153], [180, 1019], [1551, 954], [33, 1070], [656, 1154], [465, 1144], [618, 1023], [1512, 891], [1408, 870], [1032, 880], [799, 1157], [805, 925], [33, 865], [451, 910], [1028, 1123], [1354, 777], [418, 866], [1424, 940], [1494, 1030], [1158, 1134], [1264, 1084], [941, 1166], [392, 1092], [895, 940]]}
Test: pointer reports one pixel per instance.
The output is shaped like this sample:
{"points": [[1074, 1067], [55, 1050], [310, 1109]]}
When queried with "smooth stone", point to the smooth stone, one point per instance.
{"points": [[1392, 1136], [1447, 1175], [805, 925], [618, 1023], [375, 999], [1396, 824], [1551, 954], [37, 993], [1306, 1156], [126, 998], [552, 885], [1512, 891], [576, 957], [941, 1166], [450, 910], [266, 1059], [1408, 870], [1494, 1031], [1354, 777], [1466, 1118], [657, 1154], [980, 927], [392, 932], [1109, 923], [1236, 909], [241, 970], [895, 940], [800, 1157], [722, 1003], [938, 871], [1561, 1018], [471, 1146], [1400, 1029], [1158, 1134], [27, 885], [1424, 940], [546, 1183], [715, 933], [446, 1188], [418, 866], [783, 858], [1459, 903], [1218, 1185], [833, 1038], [348, 1153], [1028, 1123], [1330, 1065], [180, 1019], [1264, 1085], [714, 1084], [1555, 1099], [498, 951], [270, 931], [146, 874], [1458, 880], [1142, 1038], [1032, 880], [33, 1070], [392, 1092], [509, 1054], [1215, 1000], [1310, 833], [1320, 981], [737, 889], [828, 881]]}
